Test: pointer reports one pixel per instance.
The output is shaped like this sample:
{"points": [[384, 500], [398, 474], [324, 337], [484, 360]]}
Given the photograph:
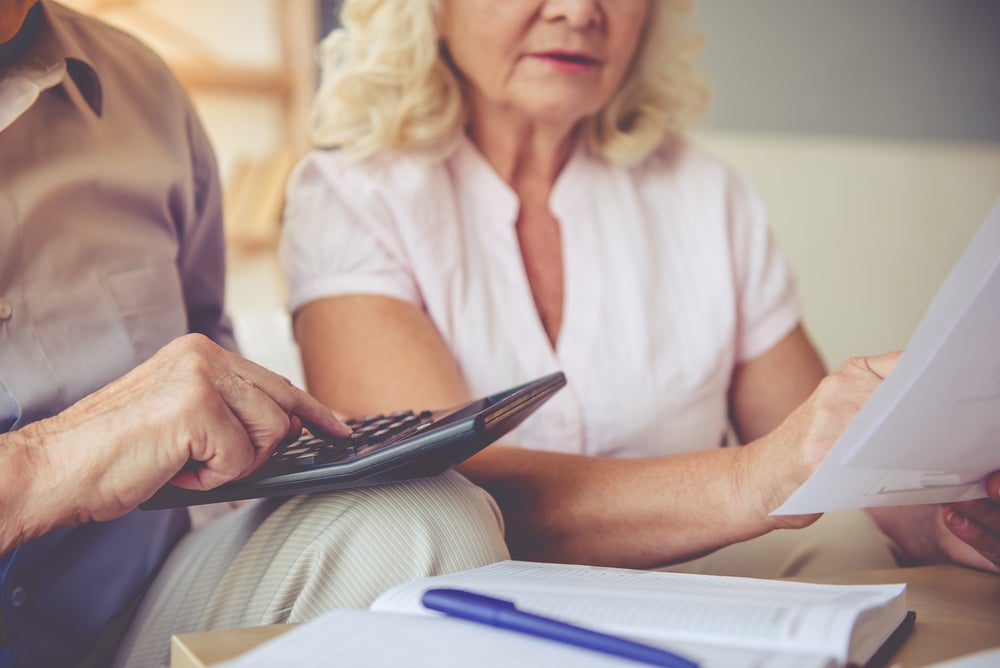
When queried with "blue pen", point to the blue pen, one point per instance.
{"points": [[505, 615]]}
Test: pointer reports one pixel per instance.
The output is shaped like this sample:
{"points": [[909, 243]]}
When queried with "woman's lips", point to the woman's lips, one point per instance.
{"points": [[573, 61]]}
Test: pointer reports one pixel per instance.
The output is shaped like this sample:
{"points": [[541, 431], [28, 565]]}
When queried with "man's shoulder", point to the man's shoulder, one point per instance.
{"points": [[110, 50]]}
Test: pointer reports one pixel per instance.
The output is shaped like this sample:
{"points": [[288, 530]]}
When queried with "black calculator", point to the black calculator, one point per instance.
{"points": [[382, 449]]}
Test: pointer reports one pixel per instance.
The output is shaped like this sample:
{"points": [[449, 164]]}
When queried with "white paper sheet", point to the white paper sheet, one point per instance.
{"points": [[931, 432], [366, 639]]}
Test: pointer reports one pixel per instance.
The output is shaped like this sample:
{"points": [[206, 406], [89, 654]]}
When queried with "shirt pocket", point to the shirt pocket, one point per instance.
{"points": [[149, 302]]}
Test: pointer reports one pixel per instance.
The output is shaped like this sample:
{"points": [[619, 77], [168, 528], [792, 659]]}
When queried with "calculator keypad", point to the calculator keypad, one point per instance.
{"points": [[369, 434]]}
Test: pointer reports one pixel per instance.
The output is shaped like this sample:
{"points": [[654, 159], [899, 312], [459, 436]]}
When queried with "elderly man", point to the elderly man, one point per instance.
{"points": [[117, 376]]}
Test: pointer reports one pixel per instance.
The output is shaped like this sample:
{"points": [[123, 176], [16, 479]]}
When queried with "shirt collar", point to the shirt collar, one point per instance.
{"points": [[474, 175], [57, 53], [67, 49], [479, 176]]}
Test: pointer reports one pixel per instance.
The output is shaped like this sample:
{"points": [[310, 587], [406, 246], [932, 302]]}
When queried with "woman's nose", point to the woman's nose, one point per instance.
{"points": [[576, 13]]}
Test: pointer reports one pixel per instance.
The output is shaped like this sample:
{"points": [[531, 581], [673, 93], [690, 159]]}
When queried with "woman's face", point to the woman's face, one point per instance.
{"points": [[553, 61]]}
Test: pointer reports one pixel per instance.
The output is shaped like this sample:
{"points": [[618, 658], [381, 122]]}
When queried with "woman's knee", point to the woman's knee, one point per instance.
{"points": [[438, 517]]}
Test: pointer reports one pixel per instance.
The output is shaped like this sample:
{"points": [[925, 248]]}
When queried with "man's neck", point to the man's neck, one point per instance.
{"points": [[12, 50]]}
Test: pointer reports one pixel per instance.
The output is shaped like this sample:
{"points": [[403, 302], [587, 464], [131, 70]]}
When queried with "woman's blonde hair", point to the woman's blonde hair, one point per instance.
{"points": [[386, 85]]}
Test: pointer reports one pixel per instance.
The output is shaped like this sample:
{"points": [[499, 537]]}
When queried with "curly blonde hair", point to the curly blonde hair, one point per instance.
{"points": [[387, 87]]}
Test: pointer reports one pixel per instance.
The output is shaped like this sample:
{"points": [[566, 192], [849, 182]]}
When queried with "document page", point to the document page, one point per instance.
{"points": [[930, 433], [366, 639]]}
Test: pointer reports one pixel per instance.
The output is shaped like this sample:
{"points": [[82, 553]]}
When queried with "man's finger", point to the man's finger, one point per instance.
{"points": [[982, 538], [291, 399], [993, 486], [220, 453], [266, 423]]}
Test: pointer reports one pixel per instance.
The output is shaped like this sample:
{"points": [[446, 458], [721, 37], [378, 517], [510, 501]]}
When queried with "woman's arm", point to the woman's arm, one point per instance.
{"points": [[365, 354], [766, 389]]}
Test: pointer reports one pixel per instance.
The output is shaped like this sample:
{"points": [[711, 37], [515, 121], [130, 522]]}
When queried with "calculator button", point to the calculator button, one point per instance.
{"points": [[335, 452], [369, 434], [294, 450], [293, 463], [361, 422]]}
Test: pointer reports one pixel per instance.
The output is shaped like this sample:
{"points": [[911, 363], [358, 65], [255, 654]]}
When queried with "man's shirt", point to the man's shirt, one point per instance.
{"points": [[110, 246]]}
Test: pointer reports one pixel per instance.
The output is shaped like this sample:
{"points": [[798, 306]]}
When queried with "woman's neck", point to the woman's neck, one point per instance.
{"points": [[522, 150]]}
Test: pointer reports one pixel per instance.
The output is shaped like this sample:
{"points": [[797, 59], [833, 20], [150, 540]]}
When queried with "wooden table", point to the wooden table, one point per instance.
{"points": [[958, 612]]}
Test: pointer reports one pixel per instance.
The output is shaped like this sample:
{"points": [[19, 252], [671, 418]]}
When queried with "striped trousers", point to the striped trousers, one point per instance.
{"points": [[292, 560]]}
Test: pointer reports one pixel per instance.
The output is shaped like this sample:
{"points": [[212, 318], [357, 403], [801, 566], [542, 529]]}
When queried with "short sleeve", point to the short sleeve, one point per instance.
{"points": [[339, 237], [767, 298]]}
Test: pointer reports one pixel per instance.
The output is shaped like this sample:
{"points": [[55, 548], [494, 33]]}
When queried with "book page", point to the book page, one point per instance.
{"points": [[366, 639], [930, 433], [652, 605]]}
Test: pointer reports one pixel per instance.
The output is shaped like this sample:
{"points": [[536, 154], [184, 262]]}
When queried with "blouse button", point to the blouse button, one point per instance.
{"points": [[18, 597], [5, 309]]}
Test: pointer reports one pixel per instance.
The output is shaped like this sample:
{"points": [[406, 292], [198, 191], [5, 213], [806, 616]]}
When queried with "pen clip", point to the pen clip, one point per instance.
{"points": [[466, 604]]}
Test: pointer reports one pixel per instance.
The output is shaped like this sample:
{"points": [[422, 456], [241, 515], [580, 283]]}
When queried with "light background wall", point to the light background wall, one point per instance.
{"points": [[872, 131]]}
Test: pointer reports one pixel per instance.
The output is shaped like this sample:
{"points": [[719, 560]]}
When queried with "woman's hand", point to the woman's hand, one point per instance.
{"points": [[784, 459]]}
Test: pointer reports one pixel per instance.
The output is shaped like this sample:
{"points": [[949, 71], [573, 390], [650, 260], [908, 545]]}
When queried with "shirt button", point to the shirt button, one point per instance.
{"points": [[5, 309], [18, 597]]}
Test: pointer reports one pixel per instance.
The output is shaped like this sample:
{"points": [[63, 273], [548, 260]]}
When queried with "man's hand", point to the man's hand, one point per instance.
{"points": [[977, 526], [194, 414]]}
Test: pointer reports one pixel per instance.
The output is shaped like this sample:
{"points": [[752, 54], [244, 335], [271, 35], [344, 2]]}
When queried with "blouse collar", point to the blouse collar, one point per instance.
{"points": [[474, 173]]}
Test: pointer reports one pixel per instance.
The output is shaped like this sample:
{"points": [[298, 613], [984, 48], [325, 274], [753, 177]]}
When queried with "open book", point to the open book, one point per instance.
{"points": [[713, 620]]}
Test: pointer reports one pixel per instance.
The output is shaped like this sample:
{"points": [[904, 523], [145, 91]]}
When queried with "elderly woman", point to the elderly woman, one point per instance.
{"points": [[508, 192]]}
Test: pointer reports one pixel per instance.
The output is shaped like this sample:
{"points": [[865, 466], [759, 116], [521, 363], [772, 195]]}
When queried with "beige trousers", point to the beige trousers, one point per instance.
{"points": [[847, 540], [290, 561]]}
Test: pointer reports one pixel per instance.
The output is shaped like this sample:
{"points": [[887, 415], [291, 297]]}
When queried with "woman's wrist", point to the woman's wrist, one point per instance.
{"points": [[767, 476]]}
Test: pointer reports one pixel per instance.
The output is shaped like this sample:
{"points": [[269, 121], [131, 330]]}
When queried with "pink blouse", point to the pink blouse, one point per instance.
{"points": [[671, 278]]}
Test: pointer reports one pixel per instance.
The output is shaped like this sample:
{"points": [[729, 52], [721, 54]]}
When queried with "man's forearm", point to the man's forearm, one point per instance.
{"points": [[27, 508]]}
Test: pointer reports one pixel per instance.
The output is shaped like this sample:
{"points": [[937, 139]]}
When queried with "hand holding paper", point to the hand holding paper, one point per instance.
{"points": [[930, 433]]}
